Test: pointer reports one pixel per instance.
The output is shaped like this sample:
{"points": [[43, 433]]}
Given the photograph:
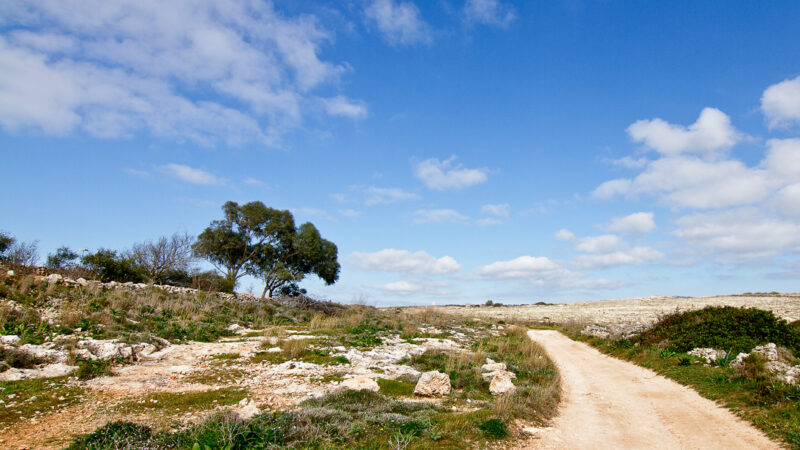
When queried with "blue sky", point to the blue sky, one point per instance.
{"points": [[454, 150]]}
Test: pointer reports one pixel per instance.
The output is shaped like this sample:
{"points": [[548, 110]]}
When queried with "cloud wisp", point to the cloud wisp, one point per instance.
{"points": [[230, 72], [447, 175]]}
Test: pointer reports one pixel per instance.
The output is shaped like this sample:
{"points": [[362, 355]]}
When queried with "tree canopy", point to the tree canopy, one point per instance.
{"points": [[264, 242]]}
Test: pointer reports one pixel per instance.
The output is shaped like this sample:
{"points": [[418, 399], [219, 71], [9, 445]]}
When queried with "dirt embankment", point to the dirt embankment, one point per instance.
{"points": [[609, 403]]}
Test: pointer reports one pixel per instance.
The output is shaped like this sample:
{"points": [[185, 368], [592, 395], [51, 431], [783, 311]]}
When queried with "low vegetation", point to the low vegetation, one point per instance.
{"points": [[749, 391], [722, 327]]}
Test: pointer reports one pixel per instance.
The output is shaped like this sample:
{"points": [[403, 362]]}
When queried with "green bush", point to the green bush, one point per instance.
{"points": [[11, 357], [88, 369], [114, 435], [109, 266], [725, 327], [494, 428]]}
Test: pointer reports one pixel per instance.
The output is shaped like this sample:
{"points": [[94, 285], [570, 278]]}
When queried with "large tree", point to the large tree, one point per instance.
{"points": [[232, 243], [288, 261]]}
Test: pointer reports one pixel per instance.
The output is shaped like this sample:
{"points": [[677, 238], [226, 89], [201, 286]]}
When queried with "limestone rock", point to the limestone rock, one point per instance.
{"points": [[493, 366], [501, 383], [82, 282], [54, 278], [246, 409], [709, 354], [10, 273], [9, 339], [48, 371], [360, 383], [433, 383]]}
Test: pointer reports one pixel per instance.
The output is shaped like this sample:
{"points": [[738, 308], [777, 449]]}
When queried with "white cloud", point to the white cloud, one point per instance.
{"points": [[232, 71], [598, 244], [137, 172], [343, 106], [315, 212], [192, 175], [564, 235], [711, 133], [540, 271], [399, 22], [377, 196], [350, 212], [781, 103], [444, 175], [640, 222], [488, 222], [489, 12], [501, 210], [612, 188], [439, 216], [393, 260], [787, 200], [738, 235], [401, 287], [250, 181], [629, 162], [693, 182], [635, 255]]}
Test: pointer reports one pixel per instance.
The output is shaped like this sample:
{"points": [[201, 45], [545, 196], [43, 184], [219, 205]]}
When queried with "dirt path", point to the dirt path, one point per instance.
{"points": [[609, 403]]}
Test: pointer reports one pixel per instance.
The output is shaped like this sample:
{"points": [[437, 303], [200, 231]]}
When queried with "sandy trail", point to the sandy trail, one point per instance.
{"points": [[609, 403]]}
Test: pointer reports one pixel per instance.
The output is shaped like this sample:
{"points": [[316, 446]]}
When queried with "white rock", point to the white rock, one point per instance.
{"points": [[44, 352], [433, 383], [493, 367], [10, 273], [360, 383], [501, 383], [54, 278], [488, 376], [48, 371], [274, 350], [246, 409], [82, 282], [9, 339], [770, 351], [709, 354]]}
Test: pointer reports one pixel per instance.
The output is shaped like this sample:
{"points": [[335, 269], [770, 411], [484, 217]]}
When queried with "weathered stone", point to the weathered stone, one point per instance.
{"points": [[9, 339], [493, 367], [708, 354], [501, 383], [54, 278], [82, 282], [246, 409], [44, 352], [770, 351], [10, 273], [48, 371], [433, 383], [360, 383]]}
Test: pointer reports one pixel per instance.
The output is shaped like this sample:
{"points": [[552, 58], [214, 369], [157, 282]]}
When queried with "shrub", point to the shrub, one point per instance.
{"points": [[726, 327], [88, 369], [109, 266], [494, 428], [114, 435], [11, 357]]}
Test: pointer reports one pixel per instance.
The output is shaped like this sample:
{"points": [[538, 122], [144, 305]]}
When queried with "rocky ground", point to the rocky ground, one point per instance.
{"points": [[627, 312]]}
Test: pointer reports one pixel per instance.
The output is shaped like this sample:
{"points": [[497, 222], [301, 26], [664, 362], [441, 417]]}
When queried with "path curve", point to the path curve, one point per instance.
{"points": [[610, 403]]}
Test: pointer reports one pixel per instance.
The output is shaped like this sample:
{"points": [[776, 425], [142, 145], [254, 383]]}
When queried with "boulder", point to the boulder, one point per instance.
{"points": [[360, 383], [54, 278], [9, 339], [44, 353], [709, 354], [246, 409], [10, 273], [433, 383], [501, 383], [82, 282], [770, 351], [493, 366]]}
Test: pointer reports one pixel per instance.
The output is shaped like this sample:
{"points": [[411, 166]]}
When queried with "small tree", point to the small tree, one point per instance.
{"points": [[286, 263], [165, 258], [107, 265], [21, 253], [5, 243], [63, 258], [232, 243]]}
